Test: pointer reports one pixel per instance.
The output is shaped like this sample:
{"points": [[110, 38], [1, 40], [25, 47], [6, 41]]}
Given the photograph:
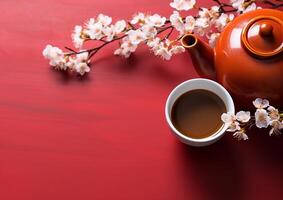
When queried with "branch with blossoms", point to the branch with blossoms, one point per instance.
{"points": [[154, 31], [266, 116]]}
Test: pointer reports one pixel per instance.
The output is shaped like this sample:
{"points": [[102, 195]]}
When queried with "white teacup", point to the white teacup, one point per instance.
{"points": [[195, 84]]}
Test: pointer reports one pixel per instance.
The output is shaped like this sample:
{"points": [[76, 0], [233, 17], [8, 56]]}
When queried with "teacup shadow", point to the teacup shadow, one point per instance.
{"points": [[215, 169]]}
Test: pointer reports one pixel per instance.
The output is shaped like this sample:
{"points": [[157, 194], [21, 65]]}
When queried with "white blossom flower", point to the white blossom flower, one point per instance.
{"points": [[222, 21], [177, 22], [120, 26], [241, 135], [138, 18], [161, 48], [76, 37], [261, 103], [167, 42], [71, 64], [209, 14], [82, 68], [126, 48], [235, 126], [104, 20], [94, 29], [202, 25], [163, 52], [242, 6], [273, 113], [214, 12], [126, 43], [212, 39], [78, 63], [238, 4], [153, 43], [231, 121], [55, 56], [148, 31], [82, 57], [251, 7], [136, 36], [183, 4], [262, 119], [276, 127], [112, 30], [122, 52], [90, 23], [109, 32], [204, 13], [243, 116], [176, 49], [189, 24], [156, 20]]}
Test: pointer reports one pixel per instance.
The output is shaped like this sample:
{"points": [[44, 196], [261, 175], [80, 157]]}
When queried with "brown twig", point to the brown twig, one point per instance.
{"points": [[131, 25], [72, 50], [169, 34]]}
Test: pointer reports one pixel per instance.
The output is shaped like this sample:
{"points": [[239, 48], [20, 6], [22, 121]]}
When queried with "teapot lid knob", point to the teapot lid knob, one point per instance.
{"points": [[265, 30], [263, 36]]}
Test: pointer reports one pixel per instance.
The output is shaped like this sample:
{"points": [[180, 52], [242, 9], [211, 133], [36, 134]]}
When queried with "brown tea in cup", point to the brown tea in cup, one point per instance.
{"points": [[197, 113]]}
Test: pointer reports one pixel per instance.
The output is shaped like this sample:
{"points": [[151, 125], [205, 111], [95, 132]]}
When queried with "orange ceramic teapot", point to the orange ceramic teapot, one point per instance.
{"points": [[247, 59]]}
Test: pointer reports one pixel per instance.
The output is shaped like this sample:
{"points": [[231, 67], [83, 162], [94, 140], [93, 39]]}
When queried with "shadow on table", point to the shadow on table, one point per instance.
{"points": [[219, 170], [268, 149], [144, 64], [215, 169], [66, 77]]}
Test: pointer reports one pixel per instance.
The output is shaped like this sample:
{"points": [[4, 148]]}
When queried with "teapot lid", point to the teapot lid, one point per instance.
{"points": [[263, 36]]}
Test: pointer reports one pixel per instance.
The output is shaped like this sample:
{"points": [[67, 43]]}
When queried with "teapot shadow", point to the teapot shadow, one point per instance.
{"points": [[215, 169]]}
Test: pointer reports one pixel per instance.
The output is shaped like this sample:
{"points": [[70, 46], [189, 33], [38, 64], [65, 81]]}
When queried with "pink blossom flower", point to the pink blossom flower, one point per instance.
{"points": [[243, 116], [241, 135], [262, 119], [276, 127], [212, 39], [261, 103], [231, 121]]}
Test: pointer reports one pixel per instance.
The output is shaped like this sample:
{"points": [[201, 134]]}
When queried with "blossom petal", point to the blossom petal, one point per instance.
{"points": [[261, 103], [241, 135], [183, 4], [243, 116], [262, 119], [227, 118]]}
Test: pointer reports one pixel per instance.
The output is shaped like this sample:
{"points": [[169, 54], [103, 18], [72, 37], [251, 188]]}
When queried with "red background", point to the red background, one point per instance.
{"points": [[104, 136]]}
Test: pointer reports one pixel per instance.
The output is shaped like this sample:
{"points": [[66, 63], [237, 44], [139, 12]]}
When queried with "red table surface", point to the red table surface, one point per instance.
{"points": [[104, 136]]}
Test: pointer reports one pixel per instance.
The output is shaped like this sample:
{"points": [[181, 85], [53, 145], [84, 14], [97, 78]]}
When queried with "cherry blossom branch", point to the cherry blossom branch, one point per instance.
{"points": [[93, 51], [169, 34], [147, 29], [266, 116]]}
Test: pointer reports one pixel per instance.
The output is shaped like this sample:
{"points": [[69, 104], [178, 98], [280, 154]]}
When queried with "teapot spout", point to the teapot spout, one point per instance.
{"points": [[202, 55]]}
